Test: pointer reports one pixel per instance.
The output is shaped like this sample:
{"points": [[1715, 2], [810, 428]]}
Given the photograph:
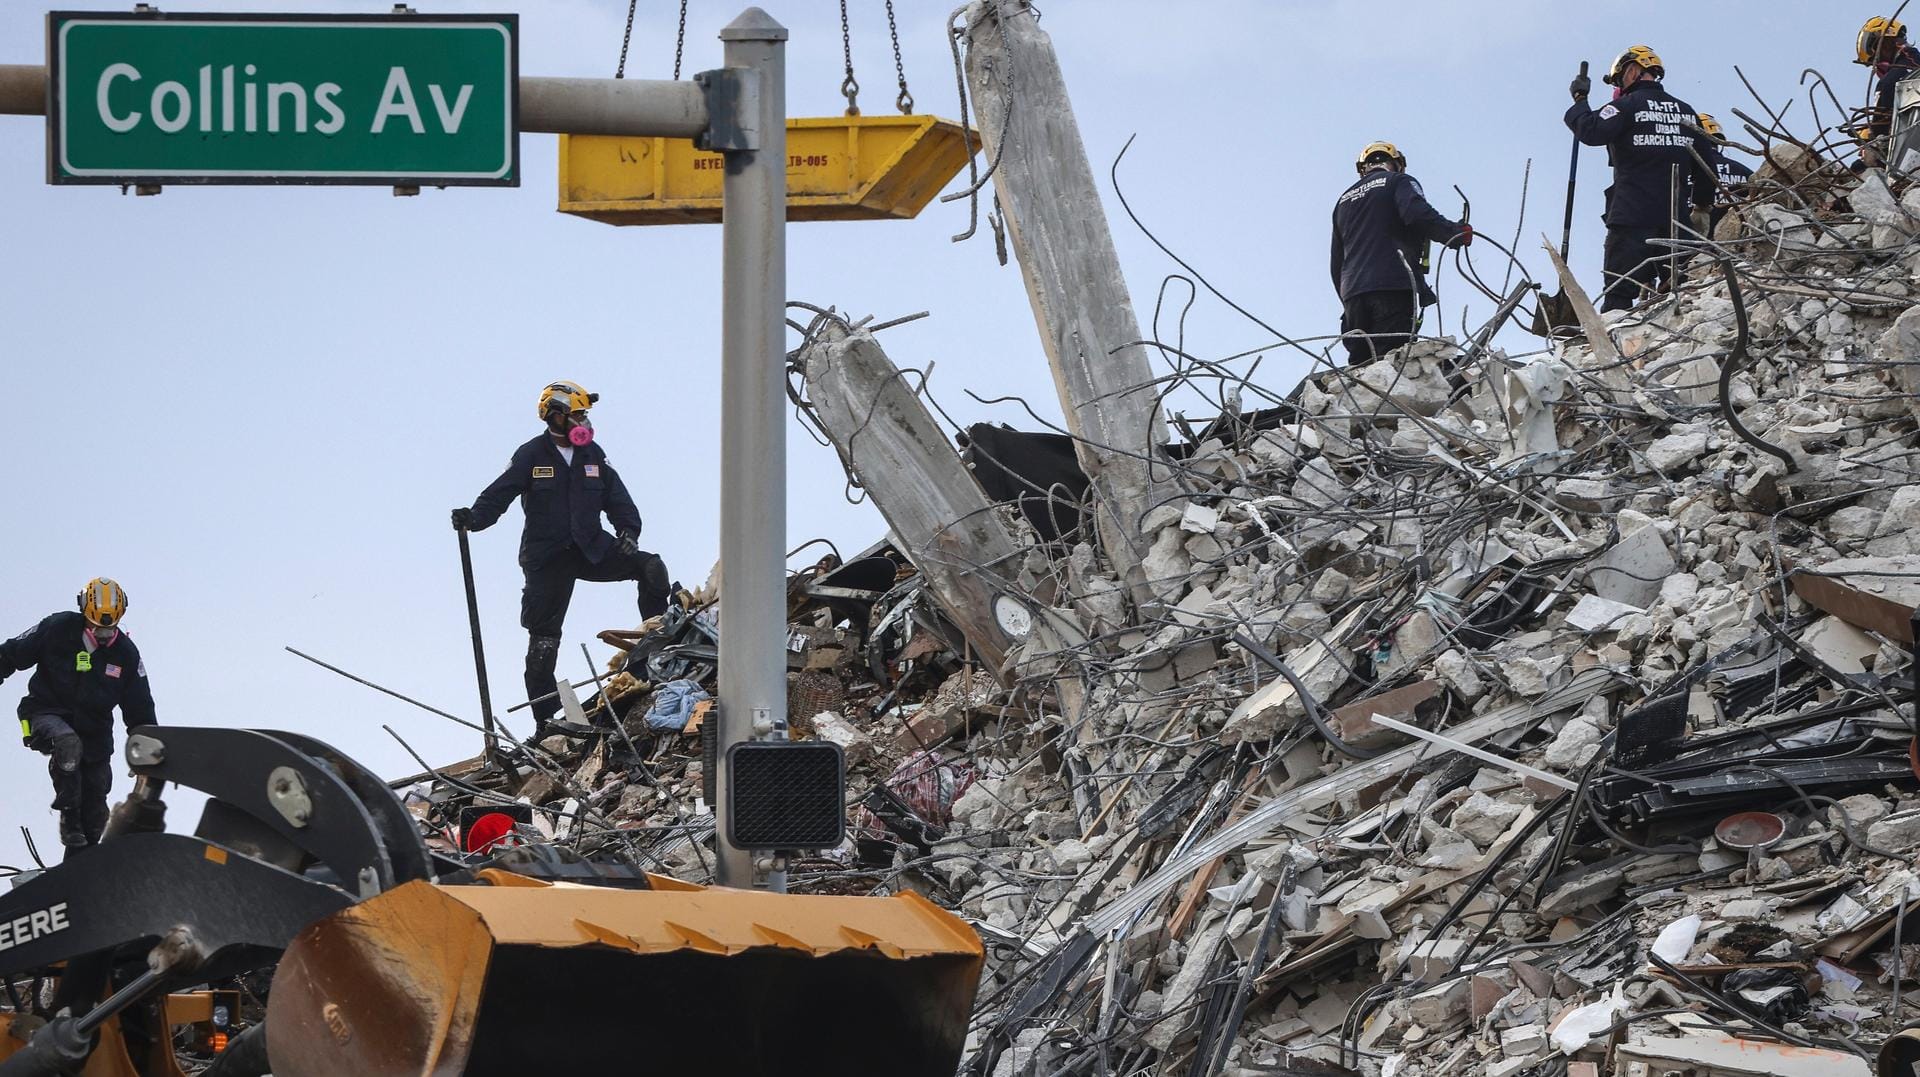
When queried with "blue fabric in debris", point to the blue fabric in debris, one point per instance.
{"points": [[673, 705]]}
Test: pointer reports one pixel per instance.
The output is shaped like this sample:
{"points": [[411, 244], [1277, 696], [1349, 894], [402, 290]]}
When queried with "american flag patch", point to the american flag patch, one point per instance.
{"points": [[593, 471], [111, 670]]}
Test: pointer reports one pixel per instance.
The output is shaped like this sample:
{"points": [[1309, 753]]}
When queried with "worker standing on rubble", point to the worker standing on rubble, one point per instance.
{"points": [[1882, 45], [1730, 176], [83, 667], [565, 485], [1659, 166], [1381, 229]]}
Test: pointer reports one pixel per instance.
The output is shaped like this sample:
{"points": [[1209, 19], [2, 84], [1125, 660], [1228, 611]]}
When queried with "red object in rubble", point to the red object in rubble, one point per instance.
{"points": [[489, 830]]}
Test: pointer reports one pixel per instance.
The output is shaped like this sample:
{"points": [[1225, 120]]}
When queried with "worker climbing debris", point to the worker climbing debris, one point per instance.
{"points": [[1882, 45], [84, 665], [565, 485], [1658, 159], [1730, 176], [1382, 226]]}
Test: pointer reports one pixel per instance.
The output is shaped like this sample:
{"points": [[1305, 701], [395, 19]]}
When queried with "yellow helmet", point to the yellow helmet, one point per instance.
{"points": [[1711, 126], [1635, 54], [1380, 149], [1867, 46], [566, 395], [102, 602]]}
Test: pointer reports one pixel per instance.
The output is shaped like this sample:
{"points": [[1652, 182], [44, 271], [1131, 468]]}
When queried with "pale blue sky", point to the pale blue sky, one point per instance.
{"points": [[255, 406]]}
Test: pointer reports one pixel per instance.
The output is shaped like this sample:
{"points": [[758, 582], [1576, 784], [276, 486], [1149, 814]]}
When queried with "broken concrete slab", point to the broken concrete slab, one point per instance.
{"points": [[1632, 570], [1879, 594]]}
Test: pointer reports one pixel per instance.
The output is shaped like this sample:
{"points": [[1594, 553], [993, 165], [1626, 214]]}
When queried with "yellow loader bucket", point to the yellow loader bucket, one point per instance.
{"points": [[524, 977]]}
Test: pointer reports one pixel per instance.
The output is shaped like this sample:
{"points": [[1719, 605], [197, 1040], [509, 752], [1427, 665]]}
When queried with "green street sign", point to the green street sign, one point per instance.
{"points": [[402, 100]]}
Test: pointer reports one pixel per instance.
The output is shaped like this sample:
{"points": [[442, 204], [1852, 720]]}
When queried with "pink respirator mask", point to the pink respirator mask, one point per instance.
{"points": [[581, 435]]}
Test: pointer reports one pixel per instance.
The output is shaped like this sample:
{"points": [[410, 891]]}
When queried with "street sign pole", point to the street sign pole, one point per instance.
{"points": [[753, 445]]}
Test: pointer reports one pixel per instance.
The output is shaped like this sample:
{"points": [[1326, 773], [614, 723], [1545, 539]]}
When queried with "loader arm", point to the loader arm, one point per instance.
{"points": [[292, 832], [288, 800], [136, 888]]}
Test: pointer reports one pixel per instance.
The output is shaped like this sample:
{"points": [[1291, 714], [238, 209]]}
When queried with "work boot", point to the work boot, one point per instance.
{"points": [[73, 833]]}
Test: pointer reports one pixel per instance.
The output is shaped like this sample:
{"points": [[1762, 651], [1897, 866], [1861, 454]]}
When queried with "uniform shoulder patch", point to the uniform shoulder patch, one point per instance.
{"points": [[543, 473], [1417, 189], [1609, 112]]}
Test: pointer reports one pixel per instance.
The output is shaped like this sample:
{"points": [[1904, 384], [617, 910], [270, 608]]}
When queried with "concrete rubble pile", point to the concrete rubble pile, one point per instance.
{"points": [[1593, 749], [1472, 713]]}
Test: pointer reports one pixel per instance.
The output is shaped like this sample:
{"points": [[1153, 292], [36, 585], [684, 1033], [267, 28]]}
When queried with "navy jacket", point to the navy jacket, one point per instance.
{"points": [[1381, 226], [1728, 172], [1648, 133], [563, 504], [84, 691], [1902, 65]]}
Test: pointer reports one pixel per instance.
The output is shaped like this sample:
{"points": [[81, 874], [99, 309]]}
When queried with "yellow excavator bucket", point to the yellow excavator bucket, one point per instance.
{"points": [[841, 168], [524, 977]]}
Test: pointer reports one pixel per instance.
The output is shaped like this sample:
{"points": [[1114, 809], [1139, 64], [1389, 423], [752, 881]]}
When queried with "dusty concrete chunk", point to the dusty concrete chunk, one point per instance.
{"points": [[1413, 385], [1198, 518], [1633, 569], [1432, 960], [1859, 811], [1572, 747], [1587, 495], [831, 727], [1677, 451], [1441, 1006], [1523, 1041], [1481, 819], [1168, 559], [1458, 673], [1510, 1067], [1410, 645], [1895, 833], [1595, 614], [1589, 889]]}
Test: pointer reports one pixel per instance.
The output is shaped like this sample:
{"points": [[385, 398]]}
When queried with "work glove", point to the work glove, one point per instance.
{"points": [[628, 542], [1581, 86], [1465, 238], [463, 519], [1702, 221]]}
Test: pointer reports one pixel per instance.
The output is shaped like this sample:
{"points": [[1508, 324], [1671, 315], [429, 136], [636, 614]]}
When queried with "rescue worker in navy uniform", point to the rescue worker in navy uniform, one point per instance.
{"points": [[1381, 229], [83, 666], [1659, 167], [1730, 175], [565, 484], [1882, 45]]}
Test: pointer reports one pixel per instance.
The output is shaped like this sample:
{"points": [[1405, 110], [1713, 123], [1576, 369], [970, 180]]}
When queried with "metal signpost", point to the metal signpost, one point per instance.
{"points": [[413, 100], [400, 100]]}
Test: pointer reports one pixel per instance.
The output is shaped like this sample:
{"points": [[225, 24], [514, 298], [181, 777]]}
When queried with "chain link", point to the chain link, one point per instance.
{"points": [[626, 39], [680, 42], [848, 86], [905, 101]]}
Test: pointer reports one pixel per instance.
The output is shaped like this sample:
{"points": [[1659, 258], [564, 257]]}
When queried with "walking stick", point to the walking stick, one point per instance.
{"points": [[479, 653]]}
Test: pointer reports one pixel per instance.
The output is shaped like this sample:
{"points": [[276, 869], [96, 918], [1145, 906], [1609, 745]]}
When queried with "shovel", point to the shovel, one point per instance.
{"points": [[1554, 311], [479, 655]]}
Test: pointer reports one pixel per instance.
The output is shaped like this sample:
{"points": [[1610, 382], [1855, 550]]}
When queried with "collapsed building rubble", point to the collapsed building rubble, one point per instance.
{"points": [[1461, 712]]}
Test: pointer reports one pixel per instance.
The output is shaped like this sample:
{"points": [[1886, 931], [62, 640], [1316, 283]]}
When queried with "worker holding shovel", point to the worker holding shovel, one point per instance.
{"points": [[565, 485]]}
